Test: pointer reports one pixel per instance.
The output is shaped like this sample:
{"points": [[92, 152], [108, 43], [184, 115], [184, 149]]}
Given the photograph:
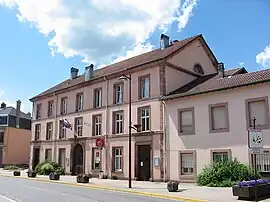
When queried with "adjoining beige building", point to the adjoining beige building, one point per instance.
{"points": [[96, 106], [15, 136], [208, 119]]}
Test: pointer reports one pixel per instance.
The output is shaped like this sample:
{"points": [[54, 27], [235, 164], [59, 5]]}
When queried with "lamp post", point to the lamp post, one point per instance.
{"points": [[124, 77]]}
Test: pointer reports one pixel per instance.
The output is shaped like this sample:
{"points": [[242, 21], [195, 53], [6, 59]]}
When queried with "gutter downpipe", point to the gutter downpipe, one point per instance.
{"points": [[55, 128], [165, 132], [106, 127]]}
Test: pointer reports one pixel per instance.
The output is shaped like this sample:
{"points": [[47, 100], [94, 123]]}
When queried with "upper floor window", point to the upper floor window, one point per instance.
{"points": [[258, 108], [63, 108], [48, 154], [2, 137], [186, 121], [97, 98], [144, 87], [144, 118], [198, 69], [118, 122], [62, 130], [38, 111], [79, 102], [37, 131], [97, 120], [219, 117], [118, 93], [79, 126], [49, 131], [50, 108]]}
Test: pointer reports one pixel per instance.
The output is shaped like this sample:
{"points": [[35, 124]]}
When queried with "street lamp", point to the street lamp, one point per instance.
{"points": [[124, 77]]}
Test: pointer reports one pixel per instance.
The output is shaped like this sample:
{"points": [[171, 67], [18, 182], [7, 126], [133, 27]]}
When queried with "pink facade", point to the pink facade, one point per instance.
{"points": [[148, 148], [188, 153]]}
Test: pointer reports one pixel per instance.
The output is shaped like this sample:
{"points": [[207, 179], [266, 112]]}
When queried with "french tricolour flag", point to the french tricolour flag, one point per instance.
{"points": [[66, 124]]}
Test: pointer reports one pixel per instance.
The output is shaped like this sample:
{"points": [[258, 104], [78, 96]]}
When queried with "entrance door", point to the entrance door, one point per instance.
{"points": [[1, 157], [144, 173], [36, 153], [77, 161], [62, 158]]}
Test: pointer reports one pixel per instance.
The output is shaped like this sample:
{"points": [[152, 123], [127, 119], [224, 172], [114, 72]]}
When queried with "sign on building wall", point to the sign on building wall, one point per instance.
{"points": [[255, 139]]}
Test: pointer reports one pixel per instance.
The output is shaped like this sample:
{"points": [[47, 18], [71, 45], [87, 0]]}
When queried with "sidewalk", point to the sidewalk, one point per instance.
{"points": [[188, 192]]}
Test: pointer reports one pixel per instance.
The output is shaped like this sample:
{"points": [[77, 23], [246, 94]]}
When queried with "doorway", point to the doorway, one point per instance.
{"points": [[77, 160], [144, 164], [36, 155], [62, 158]]}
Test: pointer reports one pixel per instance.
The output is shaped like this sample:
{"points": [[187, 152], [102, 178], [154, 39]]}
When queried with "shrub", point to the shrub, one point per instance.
{"points": [[11, 167], [225, 174], [47, 167]]}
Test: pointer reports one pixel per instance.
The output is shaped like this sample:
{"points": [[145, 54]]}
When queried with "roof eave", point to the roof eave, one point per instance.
{"points": [[176, 96]]}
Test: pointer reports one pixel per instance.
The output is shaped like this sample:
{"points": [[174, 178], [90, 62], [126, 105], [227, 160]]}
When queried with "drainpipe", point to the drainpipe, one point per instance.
{"points": [[106, 127], [166, 141], [55, 128]]}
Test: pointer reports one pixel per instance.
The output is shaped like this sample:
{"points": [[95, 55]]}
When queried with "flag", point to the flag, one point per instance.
{"points": [[66, 124]]}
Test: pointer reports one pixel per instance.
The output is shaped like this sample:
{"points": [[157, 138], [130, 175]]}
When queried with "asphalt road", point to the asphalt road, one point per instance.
{"points": [[22, 190]]}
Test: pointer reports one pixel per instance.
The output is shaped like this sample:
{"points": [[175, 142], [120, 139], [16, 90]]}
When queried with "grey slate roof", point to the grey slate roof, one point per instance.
{"points": [[12, 111]]}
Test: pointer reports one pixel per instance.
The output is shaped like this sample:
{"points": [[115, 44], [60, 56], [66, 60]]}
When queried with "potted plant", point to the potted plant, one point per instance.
{"points": [[31, 173], [83, 178], [54, 176], [172, 186], [245, 190], [16, 173]]}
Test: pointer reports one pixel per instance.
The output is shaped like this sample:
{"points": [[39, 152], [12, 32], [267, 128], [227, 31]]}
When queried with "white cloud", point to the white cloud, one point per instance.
{"points": [[241, 63], [100, 31], [263, 58]]}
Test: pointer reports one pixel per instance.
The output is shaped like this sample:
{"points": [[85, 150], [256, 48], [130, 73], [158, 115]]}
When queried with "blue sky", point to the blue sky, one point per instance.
{"points": [[40, 42]]}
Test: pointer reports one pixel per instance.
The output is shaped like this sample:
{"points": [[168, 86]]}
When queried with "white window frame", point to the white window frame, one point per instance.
{"points": [[119, 157], [49, 131], [119, 89], [146, 116], [79, 126], [145, 89], [191, 170], [79, 102], [63, 131], [223, 155], [97, 125], [50, 108], [98, 98], [64, 105], [38, 111], [119, 122], [37, 131]]}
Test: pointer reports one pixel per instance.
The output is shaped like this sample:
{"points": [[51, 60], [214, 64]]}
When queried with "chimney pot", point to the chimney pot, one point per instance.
{"points": [[3, 105], [89, 71], [221, 70], [73, 72], [164, 41]]}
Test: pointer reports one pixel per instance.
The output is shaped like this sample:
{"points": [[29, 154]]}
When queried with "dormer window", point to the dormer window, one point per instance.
{"points": [[198, 69]]}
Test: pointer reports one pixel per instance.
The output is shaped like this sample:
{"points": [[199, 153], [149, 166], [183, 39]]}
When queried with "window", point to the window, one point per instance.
{"points": [[218, 156], [262, 161], [118, 93], [96, 155], [63, 105], [79, 102], [50, 108], [198, 69], [118, 124], [37, 131], [188, 163], [144, 87], [97, 98], [62, 130], [79, 126], [144, 116], [48, 154], [2, 137], [118, 159], [97, 121], [38, 111], [186, 121], [258, 108], [62, 157], [49, 131], [219, 117]]}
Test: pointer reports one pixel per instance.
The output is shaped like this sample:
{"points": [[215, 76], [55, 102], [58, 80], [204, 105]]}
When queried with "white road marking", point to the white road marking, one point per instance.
{"points": [[6, 199]]}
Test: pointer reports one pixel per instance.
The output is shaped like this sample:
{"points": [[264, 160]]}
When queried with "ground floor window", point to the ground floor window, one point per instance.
{"points": [[118, 159], [188, 163], [262, 161], [48, 154], [62, 157], [96, 159], [220, 156]]}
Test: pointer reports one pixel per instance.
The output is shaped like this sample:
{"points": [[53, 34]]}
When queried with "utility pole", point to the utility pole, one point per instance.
{"points": [[255, 163]]}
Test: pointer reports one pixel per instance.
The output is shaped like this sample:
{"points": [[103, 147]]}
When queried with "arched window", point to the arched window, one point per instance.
{"points": [[198, 69]]}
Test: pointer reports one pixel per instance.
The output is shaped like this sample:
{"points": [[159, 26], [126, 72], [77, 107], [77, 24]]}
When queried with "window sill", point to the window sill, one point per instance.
{"points": [[118, 172], [226, 130], [263, 127], [145, 98], [186, 133]]}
